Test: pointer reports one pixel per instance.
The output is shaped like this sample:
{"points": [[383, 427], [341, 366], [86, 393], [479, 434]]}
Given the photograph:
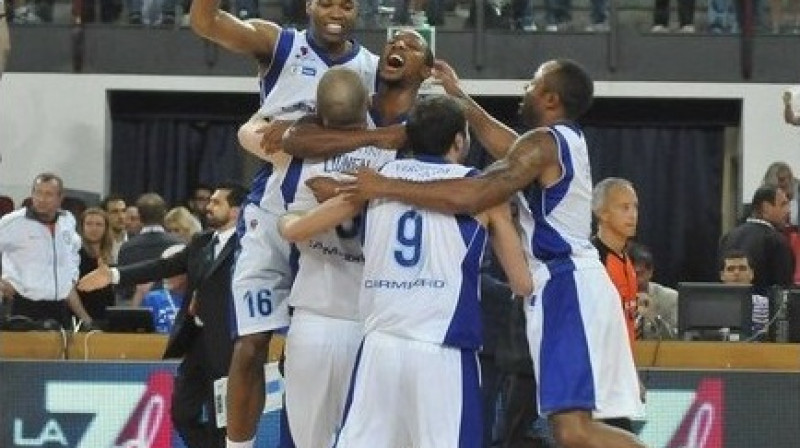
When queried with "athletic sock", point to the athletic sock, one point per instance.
{"points": [[246, 444]]}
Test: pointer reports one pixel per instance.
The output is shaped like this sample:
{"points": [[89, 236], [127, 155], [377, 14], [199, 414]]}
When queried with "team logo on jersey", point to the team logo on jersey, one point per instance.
{"points": [[253, 224]]}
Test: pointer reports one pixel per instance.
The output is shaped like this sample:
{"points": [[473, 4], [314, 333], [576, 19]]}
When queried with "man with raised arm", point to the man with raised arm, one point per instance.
{"points": [[584, 365], [290, 64]]}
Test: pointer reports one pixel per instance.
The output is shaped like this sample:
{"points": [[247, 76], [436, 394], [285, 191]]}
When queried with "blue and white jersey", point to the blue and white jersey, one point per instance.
{"points": [[331, 264], [421, 277], [288, 92], [556, 219]]}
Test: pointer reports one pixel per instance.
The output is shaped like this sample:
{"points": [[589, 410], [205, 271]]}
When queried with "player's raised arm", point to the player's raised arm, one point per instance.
{"points": [[300, 226], [507, 247], [493, 134], [254, 37], [530, 156]]}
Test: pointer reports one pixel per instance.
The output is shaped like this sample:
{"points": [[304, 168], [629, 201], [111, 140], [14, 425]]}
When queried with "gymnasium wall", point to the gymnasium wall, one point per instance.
{"points": [[61, 122]]}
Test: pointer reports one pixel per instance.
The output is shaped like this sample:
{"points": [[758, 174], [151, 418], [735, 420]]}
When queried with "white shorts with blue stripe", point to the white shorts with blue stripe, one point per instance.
{"points": [[408, 393], [262, 275], [579, 343]]}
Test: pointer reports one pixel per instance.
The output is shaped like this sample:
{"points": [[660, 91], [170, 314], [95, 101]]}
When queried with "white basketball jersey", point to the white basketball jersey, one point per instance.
{"points": [[556, 220], [421, 278], [289, 89], [331, 263]]}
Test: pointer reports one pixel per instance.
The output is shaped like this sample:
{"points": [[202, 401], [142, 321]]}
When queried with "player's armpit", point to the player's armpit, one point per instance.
{"points": [[300, 226], [507, 247]]}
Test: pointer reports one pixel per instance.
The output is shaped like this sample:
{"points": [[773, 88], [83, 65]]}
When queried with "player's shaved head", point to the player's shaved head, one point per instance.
{"points": [[342, 98]]}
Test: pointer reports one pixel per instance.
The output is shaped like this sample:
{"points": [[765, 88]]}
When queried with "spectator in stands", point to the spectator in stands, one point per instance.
{"points": [[5, 38], [114, 206], [721, 17], [180, 222], [105, 11], [657, 304], [198, 202], [522, 15], [685, 16], [25, 12], [40, 260], [97, 246], [138, 16], [766, 247], [776, 14], [735, 269], [150, 243], [133, 222], [780, 174], [598, 16], [558, 14]]}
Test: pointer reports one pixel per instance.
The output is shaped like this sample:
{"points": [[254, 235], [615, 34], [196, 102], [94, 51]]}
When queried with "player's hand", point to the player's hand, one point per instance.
{"points": [[787, 98], [7, 291], [99, 278], [323, 187], [271, 136], [366, 186], [444, 75]]}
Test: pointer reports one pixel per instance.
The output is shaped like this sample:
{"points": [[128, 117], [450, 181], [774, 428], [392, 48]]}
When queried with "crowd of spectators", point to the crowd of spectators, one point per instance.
{"points": [[113, 232], [714, 16]]}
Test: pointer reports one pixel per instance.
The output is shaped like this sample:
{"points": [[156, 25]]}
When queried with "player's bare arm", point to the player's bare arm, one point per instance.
{"points": [[495, 136], [507, 246], [788, 112], [254, 37], [300, 226], [256, 131], [309, 139], [531, 155]]}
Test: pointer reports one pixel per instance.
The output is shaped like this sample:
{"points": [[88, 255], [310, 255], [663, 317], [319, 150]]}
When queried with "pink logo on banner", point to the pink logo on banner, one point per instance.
{"points": [[149, 425], [702, 424]]}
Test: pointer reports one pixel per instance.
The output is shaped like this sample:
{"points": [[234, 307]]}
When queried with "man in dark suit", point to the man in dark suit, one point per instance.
{"points": [[149, 244], [201, 334], [760, 237]]}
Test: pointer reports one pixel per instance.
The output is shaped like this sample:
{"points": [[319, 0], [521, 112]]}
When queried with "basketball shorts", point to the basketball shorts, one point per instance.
{"points": [[262, 275], [408, 393], [579, 343], [320, 354]]}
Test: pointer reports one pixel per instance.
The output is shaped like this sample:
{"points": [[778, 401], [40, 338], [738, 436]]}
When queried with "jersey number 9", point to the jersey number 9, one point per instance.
{"points": [[409, 236]]}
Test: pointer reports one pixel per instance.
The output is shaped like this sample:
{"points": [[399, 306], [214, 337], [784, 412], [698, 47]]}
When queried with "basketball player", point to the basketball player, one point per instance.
{"points": [[583, 362], [290, 65], [326, 329], [419, 297]]}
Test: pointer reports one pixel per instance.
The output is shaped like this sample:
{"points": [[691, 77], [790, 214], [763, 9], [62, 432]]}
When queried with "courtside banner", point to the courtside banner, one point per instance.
{"points": [[80, 404], [721, 409]]}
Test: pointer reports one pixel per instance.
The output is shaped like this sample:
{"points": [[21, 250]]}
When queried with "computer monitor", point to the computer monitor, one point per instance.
{"points": [[706, 309], [792, 313], [129, 319]]}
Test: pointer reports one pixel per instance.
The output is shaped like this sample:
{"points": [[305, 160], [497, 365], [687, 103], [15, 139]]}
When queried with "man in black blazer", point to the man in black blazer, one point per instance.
{"points": [[148, 244], [201, 334]]}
